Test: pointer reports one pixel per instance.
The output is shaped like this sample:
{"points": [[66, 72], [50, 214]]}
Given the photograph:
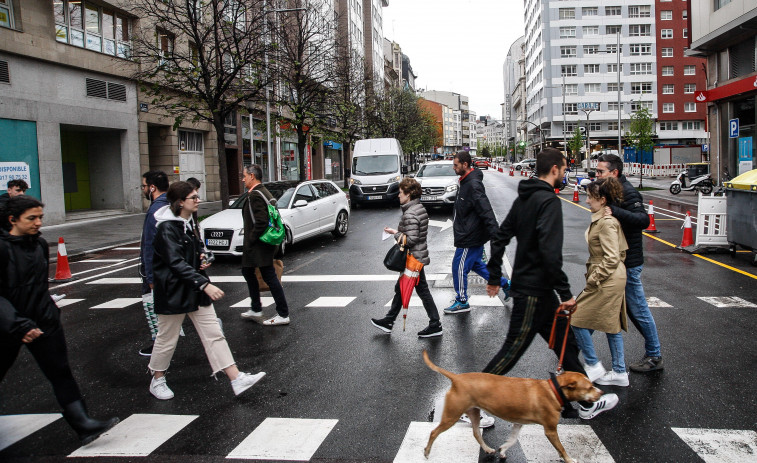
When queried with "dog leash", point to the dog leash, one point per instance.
{"points": [[560, 314]]}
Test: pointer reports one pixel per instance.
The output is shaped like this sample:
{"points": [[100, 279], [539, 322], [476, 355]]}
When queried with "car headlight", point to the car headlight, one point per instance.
{"points": [[396, 179], [451, 188], [354, 181]]}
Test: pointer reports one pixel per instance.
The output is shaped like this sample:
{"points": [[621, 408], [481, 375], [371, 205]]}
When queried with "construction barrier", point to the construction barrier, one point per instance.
{"points": [[711, 221]]}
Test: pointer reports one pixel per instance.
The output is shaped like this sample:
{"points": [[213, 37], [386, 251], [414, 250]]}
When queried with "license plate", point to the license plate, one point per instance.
{"points": [[217, 242], [375, 197], [428, 198]]}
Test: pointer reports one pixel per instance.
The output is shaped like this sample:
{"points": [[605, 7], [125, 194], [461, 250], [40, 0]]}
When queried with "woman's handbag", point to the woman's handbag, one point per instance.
{"points": [[396, 258]]}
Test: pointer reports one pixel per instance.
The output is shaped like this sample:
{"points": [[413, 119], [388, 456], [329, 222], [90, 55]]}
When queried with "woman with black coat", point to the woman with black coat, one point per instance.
{"points": [[28, 315], [181, 289]]}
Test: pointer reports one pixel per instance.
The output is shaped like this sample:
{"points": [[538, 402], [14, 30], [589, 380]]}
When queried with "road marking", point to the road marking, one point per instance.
{"points": [[440, 224], [136, 436], [455, 445], [104, 267], [331, 302], [655, 302], [13, 428], [115, 281], [721, 445], [721, 302], [579, 441], [128, 249], [284, 279], [245, 303], [118, 303], [65, 302], [89, 261], [289, 439], [95, 276], [477, 301]]}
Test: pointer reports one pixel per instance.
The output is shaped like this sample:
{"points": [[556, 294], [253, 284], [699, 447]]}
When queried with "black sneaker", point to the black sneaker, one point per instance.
{"points": [[147, 350], [647, 364], [383, 324], [430, 331]]}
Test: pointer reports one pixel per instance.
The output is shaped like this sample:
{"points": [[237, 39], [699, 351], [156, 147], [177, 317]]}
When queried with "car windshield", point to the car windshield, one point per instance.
{"points": [[436, 170], [375, 165], [282, 191]]}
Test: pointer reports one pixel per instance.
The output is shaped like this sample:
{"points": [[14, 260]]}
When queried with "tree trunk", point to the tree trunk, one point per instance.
{"points": [[346, 162], [302, 143], [223, 172]]}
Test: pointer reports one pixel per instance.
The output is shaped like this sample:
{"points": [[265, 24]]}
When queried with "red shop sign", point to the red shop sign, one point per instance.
{"points": [[748, 84]]}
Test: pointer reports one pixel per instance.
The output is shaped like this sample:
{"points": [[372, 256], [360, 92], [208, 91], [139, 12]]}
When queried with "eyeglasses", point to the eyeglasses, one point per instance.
{"points": [[193, 198]]}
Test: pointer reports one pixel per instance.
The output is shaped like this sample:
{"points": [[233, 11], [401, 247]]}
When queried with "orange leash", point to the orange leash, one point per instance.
{"points": [[560, 314]]}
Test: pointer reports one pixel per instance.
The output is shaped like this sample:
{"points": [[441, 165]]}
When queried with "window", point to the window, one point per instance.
{"points": [[685, 14], [568, 70], [612, 126], [613, 29], [568, 52], [640, 49], [669, 125], [234, 13], [640, 68], [571, 89], [689, 88], [165, 42], [666, 33], [667, 52], [637, 105], [570, 127], [90, 26], [612, 11], [685, 33], [690, 125], [666, 15], [613, 67], [591, 49], [591, 30], [638, 88], [611, 48], [595, 126], [667, 70], [591, 68], [6, 13], [567, 13], [668, 107], [668, 89], [690, 107], [190, 141], [639, 30], [721, 3], [689, 70], [592, 88], [589, 11], [325, 189], [570, 108], [305, 193], [613, 87], [639, 11], [612, 106], [567, 32]]}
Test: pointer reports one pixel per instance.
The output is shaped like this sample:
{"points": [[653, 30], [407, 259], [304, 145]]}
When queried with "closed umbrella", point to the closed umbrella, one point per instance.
{"points": [[408, 281]]}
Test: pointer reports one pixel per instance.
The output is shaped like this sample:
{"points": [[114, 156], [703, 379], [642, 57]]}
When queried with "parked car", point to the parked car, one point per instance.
{"points": [[377, 168], [307, 209], [527, 163], [439, 183], [482, 164]]}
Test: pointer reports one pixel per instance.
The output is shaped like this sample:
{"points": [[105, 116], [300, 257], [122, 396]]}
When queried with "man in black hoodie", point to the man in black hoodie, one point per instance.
{"points": [[535, 220]]}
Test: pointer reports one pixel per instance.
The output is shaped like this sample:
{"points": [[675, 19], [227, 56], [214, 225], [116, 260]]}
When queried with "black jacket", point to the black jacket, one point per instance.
{"points": [[474, 219], [176, 278], [633, 220], [256, 253], [25, 302], [536, 221]]}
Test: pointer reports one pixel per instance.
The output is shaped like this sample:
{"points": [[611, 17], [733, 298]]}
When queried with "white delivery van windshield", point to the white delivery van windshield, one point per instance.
{"points": [[379, 164]]}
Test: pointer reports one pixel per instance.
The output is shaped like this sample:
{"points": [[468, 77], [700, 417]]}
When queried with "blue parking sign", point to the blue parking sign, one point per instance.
{"points": [[733, 128]]}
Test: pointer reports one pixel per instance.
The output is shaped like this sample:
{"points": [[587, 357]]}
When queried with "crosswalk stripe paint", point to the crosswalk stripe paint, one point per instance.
{"points": [[89, 261], [65, 302], [136, 436], [13, 428], [284, 279], [127, 249], [579, 440], [118, 303], [331, 302], [455, 445], [476, 301], [721, 302], [656, 302], [245, 303], [721, 445], [290, 439]]}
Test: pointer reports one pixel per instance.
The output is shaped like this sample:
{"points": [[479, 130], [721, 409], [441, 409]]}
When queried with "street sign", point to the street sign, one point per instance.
{"points": [[705, 148], [588, 106], [733, 128]]}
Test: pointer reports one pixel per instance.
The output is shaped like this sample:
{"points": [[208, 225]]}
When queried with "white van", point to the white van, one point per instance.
{"points": [[377, 168]]}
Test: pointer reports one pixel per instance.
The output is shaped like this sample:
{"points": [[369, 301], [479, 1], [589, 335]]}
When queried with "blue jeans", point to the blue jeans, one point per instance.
{"points": [[639, 313], [615, 341], [465, 260]]}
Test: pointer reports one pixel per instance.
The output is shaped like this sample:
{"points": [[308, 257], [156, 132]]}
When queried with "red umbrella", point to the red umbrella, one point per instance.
{"points": [[408, 281]]}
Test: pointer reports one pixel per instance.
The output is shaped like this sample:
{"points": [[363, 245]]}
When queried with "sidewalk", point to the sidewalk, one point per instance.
{"points": [[90, 235]]}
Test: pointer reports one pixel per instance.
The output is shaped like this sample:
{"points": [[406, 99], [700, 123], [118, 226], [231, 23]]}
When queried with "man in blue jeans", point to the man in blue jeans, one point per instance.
{"points": [[633, 219], [474, 225]]}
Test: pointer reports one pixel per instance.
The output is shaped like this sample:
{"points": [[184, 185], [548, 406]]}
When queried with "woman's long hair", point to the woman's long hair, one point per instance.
{"points": [[178, 192], [608, 188]]}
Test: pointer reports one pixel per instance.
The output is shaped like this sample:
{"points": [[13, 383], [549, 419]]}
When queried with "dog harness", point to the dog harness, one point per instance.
{"points": [[561, 399]]}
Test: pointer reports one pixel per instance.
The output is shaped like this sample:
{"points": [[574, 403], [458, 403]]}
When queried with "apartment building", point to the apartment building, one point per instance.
{"points": [[456, 102], [373, 25], [392, 64], [512, 75]]}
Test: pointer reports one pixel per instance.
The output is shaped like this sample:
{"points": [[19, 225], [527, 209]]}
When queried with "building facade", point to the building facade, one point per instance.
{"points": [[512, 74], [456, 102]]}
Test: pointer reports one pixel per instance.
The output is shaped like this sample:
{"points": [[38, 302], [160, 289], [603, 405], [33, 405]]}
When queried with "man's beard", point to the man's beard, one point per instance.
{"points": [[148, 195]]}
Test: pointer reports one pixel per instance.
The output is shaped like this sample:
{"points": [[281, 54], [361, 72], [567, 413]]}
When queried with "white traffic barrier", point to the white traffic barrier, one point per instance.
{"points": [[711, 221]]}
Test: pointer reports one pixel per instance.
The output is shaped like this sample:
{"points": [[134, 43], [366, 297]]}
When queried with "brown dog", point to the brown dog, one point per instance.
{"points": [[518, 400]]}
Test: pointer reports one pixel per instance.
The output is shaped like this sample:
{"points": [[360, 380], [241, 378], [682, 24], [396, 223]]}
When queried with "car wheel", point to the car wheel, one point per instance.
{"points": [[342, 224], [517, 167]]}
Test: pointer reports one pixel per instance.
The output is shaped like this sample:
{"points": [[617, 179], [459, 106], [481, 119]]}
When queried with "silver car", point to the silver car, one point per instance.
{"points": [[439, 183]]}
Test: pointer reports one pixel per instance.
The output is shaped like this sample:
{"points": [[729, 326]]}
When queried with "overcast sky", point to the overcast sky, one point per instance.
{"points": [[457, 45]]}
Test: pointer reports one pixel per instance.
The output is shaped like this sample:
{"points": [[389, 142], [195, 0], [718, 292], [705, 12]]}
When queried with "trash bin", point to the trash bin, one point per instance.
{"points": [[741, 208]]}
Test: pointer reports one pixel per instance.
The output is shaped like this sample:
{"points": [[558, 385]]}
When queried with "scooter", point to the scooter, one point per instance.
{"points": [[702, 183]]}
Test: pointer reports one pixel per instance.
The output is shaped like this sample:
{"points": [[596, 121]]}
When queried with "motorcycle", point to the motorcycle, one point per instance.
{"points": [[702, 183]]}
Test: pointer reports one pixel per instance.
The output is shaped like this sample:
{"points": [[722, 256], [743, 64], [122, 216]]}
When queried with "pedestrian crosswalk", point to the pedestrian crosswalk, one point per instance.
{"points": [[299, 439]]}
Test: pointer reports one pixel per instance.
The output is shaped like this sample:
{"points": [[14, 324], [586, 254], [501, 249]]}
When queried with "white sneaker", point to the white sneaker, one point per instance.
{"points": [[160, 389], [594, 371], [245, 381], [613, 378], [57, 297], [277, 320], [486, 420], [606, 402], [250, 315]]}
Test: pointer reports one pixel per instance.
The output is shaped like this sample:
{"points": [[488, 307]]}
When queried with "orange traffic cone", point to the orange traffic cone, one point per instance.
{"points": [[512, 171], [575, 193], [652, 228], [688, 237], [62, 270]]}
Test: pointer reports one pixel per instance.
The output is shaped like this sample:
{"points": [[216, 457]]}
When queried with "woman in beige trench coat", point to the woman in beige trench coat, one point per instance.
{"points": [[602, 304]]}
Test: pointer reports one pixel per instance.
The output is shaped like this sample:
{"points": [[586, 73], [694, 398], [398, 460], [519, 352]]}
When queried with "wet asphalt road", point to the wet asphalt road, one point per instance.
{"points": [[330, 363]]}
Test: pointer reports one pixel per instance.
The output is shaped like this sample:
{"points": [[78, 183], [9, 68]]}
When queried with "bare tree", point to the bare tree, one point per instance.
{"points": [[201, 60]]}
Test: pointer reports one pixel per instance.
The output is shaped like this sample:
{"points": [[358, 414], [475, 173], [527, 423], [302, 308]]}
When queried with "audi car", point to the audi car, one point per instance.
{"points": [[439, 183], [307, 209], [527, 163]]}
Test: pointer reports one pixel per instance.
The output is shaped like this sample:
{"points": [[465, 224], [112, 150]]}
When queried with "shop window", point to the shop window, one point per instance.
{"points": [[90, 26], [6, 14]]}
